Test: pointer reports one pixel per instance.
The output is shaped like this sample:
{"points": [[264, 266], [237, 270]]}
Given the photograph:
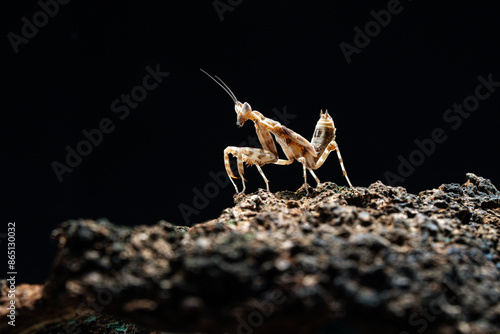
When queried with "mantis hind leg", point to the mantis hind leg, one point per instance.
{"points": [[333, 146]]}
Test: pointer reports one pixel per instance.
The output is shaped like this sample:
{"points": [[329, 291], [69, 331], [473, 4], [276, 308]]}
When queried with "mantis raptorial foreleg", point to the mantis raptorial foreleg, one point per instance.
{"points": [[250, 155], [289, 155]]}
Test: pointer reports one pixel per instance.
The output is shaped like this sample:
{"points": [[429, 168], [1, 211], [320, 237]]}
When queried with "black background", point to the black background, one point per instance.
{"points": [[271, 54]]}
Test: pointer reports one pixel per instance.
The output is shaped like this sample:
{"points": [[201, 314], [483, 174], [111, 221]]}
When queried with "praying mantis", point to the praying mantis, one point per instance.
{"points": [[311, 155]]}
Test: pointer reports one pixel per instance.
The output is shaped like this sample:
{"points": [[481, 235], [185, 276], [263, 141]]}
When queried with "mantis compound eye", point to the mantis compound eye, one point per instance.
{"points": [[243, 113], [246, 108]]}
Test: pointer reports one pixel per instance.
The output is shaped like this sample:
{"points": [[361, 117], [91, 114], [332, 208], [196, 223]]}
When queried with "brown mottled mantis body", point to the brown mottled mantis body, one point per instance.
{"points": [[311, 155]]}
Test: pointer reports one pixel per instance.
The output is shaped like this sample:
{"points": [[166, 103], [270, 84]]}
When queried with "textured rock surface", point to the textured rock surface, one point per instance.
{"points": [[382, 261]]}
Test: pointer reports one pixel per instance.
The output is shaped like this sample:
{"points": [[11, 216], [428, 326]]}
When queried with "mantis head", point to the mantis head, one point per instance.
{"points": [[243, 110]]}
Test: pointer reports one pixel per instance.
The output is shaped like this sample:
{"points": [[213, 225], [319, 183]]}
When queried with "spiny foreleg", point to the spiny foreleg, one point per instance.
{"points": [[250, 155], [229, 171], [288, 153]]}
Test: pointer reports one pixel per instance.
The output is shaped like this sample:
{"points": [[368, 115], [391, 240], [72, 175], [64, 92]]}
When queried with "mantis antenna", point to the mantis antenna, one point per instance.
{"points": [[223, 85]]}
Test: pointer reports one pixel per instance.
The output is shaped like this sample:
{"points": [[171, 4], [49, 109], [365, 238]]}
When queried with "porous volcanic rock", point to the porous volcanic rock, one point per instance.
{"points": [[380, 260]]}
